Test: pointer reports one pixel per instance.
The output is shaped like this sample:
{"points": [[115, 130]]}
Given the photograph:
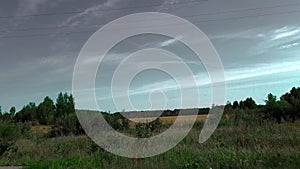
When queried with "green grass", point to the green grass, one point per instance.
{"points": [[70, 163], [241, 142]]}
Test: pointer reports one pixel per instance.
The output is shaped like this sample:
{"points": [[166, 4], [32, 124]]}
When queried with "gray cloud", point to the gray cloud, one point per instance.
{"points": [[250, 48], [26, 7]]}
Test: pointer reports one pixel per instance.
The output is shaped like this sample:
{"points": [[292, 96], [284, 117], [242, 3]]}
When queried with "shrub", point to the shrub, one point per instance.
{"points": [[8, 134]]}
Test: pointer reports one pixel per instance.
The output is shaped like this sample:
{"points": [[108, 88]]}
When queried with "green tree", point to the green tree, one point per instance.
{"points": [[284, 109], [143, 130], [61, 105], [64, 104], [45, 111], [293, 98], [7, 135], [270, 105], [0, 113], [277, 109], [27, 113], [271, 101], [70, 104], [250, 103], [235, 105], [65, 114], [241, 105], [12, 111]]}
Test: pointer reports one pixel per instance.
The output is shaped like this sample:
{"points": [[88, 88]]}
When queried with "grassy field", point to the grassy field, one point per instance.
{"points": [[169, 119], [42, 129], [241, 142]]}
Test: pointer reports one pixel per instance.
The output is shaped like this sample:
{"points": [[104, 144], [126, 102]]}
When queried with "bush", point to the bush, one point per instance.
{"points": [[143, 130], [8, 134]]}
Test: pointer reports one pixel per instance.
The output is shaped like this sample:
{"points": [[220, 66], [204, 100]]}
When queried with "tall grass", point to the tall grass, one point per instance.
{"points": [[241, 141]]}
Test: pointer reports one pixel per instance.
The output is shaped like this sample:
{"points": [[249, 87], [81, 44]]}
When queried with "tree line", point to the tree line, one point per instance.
{"points": [[287, 107], [61, 114]]}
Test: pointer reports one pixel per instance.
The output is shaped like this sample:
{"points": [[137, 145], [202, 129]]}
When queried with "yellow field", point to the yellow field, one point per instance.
{"points": [[45, 129], [169, 119], [42, 129]]}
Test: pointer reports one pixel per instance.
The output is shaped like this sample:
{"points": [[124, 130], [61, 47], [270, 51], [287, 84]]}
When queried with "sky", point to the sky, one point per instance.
{"points": [[257, 41]]}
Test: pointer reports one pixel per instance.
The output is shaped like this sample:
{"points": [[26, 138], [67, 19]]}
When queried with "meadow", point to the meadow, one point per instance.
{"points": [[167, 120], [241, 141], [248, 136]]}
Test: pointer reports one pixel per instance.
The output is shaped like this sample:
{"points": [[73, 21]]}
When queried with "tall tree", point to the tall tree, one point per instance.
{"points": [[0, 113], [27, 113], [45, 111], [70, 105], [12, 111], [60, 105], [250, 103], [271, 100], [235, 105], [65, 104], [242, 105], [270, 105], [66, 117], [293, 98]]}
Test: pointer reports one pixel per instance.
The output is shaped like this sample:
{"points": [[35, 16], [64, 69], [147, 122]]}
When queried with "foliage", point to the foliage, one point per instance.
{"points": [[143, 130], [251, 144], [244, 139], [7, 135], [10, 132], [12, 111], [27, 114], [45, 111], [293, 98], [249, 103], [287, 108], [64, 105], [235, 105]]}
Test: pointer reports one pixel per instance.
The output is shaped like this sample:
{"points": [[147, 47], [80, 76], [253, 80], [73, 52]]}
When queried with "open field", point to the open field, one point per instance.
{"points": [[42, 129], [169, 119], [45, 129], [242, 142]]}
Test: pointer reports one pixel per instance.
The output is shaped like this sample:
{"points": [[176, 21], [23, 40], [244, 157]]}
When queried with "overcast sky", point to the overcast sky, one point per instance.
{"points": [[258, 43]]}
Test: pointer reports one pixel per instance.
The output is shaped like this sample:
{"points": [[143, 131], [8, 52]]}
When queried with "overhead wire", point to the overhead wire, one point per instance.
{"points": [[187, 16]]}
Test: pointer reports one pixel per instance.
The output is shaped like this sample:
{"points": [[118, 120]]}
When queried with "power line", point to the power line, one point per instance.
{"points": [[80, 11], [249, 9], [201, 21], [44, 34], [250, 16], [42, 28], [187, 16]]}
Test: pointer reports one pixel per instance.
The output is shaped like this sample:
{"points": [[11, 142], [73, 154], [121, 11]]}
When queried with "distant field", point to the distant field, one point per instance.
{"points": [[243, 141], [42, 129], [169, 119]]}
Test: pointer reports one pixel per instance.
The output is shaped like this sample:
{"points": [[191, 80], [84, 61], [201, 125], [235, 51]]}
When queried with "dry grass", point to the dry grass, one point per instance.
{"points": [[295, 124], [169, 119], [45, 129], [42, 129]]}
